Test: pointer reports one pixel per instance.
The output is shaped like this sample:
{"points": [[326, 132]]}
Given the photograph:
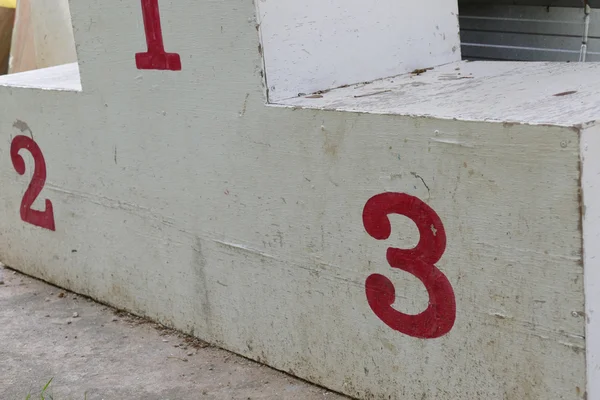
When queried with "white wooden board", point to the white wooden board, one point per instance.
{"points": [[312, 45], [180, 195], [590, 145], [541, 93], [43, 36], [62, 77]]}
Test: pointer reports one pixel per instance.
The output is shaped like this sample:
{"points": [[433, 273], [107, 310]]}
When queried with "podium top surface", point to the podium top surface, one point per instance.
{"points": [[537, 93], [558, 94]]}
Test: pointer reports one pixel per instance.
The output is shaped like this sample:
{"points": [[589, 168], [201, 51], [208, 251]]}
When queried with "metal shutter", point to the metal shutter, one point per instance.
{"points": [[529, 30]]}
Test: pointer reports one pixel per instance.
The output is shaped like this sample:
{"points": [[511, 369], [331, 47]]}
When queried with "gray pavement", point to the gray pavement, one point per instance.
{"points": [[94, 352]]}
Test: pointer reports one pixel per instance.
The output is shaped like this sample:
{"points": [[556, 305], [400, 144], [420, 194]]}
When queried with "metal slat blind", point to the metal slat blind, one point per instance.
{"points": [[491, 30]]}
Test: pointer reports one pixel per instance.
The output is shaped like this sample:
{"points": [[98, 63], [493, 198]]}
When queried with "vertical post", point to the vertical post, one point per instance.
{"points": [[7, 18]]}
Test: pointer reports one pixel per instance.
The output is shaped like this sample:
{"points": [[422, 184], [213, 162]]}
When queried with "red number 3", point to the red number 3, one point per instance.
{"points": [[438, 319], [43, 219]]}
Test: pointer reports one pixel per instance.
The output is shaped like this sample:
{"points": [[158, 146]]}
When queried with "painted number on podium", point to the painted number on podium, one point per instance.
{"points": [[156, 57], [438, 319], [43, 219]]}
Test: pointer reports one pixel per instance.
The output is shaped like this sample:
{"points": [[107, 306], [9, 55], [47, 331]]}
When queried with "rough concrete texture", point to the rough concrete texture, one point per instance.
{"points": [[92, 351]]}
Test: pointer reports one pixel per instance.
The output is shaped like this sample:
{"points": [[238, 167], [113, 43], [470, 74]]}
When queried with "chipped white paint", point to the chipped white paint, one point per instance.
{"points": [[183, 197], [312, 45], [540, 93]]}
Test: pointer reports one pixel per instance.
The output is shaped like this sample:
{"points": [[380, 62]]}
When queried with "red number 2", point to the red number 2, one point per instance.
{"points": [[43, 219], [438, 319], [155, 57]]}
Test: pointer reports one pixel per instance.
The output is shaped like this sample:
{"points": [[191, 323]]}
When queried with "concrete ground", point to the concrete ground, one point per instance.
{"points": [[94, 352]]}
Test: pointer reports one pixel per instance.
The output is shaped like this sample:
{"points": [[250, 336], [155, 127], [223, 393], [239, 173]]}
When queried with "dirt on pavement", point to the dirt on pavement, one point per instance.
{"points": [[93, 352]]}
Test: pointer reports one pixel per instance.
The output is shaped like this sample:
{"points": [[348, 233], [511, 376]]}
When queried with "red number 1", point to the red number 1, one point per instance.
{"points": [[155, 57], [438, 319]]}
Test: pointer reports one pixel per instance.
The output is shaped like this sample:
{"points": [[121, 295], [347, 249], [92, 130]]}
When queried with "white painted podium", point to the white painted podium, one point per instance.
{"points": [[434, 235]]}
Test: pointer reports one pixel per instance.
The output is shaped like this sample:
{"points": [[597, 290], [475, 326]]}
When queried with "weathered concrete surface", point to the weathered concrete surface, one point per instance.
{"points": [[116, 356]]}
